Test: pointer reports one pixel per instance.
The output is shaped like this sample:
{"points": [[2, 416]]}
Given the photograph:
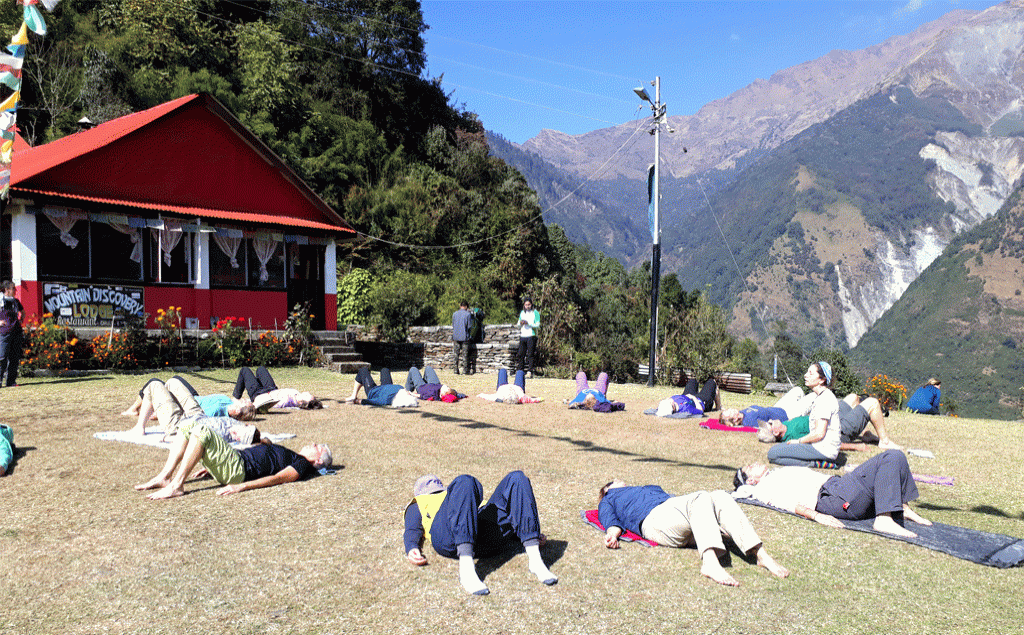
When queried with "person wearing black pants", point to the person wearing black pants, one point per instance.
{"points": [[11, 338], [460, 528]]}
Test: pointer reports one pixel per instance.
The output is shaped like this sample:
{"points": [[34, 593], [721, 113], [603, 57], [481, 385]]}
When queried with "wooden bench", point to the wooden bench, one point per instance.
{"points": [[730, 382], [778, 388]]}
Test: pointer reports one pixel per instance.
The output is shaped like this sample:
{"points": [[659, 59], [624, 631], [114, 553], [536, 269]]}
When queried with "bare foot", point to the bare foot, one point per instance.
{"points": [[166, 492], [712, 568], [888, 444], [766, 561], [129, 413], [153, 483], [912, 515], [886, 524]]}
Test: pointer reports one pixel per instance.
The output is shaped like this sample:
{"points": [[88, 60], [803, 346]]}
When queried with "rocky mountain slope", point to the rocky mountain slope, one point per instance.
{"points": [[817, 196], [961, 320]]}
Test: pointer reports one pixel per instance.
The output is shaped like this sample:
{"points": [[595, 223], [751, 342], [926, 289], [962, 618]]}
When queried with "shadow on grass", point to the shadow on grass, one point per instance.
{"points": [[582, 444], [551, 553], [977, 509], [68, 380], [19, 451]]}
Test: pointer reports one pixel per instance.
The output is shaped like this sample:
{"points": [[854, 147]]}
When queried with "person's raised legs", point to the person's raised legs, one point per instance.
{"points": [[175, 487]]}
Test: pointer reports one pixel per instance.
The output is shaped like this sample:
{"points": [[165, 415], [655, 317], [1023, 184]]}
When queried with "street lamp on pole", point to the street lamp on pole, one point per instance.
{"points": [[659, 110]]}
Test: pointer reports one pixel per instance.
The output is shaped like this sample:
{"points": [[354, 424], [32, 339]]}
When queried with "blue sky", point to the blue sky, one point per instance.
{"points": [[571, 66]]}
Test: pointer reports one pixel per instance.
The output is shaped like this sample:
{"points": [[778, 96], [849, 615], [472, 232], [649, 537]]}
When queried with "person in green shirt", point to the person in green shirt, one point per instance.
{"points": [[853, 418]]}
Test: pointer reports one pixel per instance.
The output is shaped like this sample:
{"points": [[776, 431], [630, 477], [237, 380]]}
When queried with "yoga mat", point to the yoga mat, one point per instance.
{"points": [[674, 415], [589, 516], [154, 438], [981, 547], [933, 480], [715, 424]]}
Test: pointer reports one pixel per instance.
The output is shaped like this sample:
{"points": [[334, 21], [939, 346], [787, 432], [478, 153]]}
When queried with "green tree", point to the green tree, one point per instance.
{"points": [[697, 340]]}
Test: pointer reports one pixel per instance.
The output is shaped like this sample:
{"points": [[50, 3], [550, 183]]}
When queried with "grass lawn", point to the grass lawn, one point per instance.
{"points": [[83, 552]]}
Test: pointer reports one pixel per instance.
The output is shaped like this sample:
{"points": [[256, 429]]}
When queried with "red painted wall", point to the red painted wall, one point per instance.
{"points": [[330, 312], [263, 307]]}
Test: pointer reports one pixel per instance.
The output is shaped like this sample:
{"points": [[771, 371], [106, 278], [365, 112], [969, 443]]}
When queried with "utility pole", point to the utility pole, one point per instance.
{"points": [[659, 110]]}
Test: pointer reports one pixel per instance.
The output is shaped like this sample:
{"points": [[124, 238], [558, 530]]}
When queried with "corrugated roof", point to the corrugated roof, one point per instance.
{"points": [[189, 156]]}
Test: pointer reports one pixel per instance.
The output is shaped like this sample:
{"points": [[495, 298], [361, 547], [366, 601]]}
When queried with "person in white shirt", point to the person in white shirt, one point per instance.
{"points": [[822, 442], [881, 487], [529, 322]]}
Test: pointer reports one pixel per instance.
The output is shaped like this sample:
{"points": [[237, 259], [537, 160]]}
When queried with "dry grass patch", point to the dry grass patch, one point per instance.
{"points": [[85, 553]]}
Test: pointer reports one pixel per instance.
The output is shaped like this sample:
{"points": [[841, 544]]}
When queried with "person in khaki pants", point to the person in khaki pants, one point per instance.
{"points": [[699, 518], [461, 321]]}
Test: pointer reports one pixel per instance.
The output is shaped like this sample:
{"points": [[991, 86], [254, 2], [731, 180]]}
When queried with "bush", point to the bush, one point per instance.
{"points": [[231, 341], [891, 394], [48, 345]]}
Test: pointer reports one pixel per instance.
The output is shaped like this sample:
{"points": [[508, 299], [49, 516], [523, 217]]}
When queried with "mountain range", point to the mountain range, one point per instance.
{"points": [[818, 196]]}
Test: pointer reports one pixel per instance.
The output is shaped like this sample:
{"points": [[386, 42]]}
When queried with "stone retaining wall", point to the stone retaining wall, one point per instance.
{"points": [[432, 346]]}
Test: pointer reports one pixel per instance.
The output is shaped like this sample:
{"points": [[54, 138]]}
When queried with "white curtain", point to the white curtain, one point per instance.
{"points": [[63, 221], [264, 248], [229, 245], [170, 236], [135, 236]]}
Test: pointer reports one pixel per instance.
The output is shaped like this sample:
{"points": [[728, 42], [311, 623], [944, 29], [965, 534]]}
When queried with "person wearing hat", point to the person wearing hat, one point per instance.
{"points": [[460, 528], [514, 393], [529, 322], [698, 519], [925, 399], [429, 387], [261, 465], [822, 441], [264, 393], [880, 487]]}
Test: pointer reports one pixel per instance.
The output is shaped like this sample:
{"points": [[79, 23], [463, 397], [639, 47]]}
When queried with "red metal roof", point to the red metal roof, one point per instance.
{"points": [[188, 156]]}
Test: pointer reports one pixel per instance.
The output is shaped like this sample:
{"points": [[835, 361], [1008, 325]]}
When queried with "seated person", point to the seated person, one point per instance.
{"points": [[265, 394], [854, 415], [697, 519], [261, 465], [386, 394], [6, 448], [460, 528], [822, 441], [595, 398], [214, 405], [431, 388], [793, 404], [925, 399], [511, 393], [691, 402], [880, 487]]}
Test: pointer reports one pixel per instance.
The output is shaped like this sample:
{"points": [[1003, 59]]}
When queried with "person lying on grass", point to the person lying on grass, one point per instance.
{"points": [[692, 402], [697, 519], [264, 393], [261, 465], [171, 402], [387, 393], [460, 528], [793, 404], [854, 415], [214, 405], [880, 487], [507, 393], [429, 387]]}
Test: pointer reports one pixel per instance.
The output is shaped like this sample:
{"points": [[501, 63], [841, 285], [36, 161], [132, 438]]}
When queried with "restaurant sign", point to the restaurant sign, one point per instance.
{"points": [[83, 304]]}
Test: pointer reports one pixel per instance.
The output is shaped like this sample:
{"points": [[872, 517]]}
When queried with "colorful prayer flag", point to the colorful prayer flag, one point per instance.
{"points": [[11, 79], [33, 19], [11, 103]]}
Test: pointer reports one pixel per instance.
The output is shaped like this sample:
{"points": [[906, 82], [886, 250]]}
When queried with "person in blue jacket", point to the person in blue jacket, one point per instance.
{"points": [[6, 448], [699, 518], [925, 399]]}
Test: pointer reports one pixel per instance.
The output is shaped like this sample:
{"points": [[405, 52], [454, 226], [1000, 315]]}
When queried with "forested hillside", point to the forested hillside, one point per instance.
{"points": [[337, 89], [962, 321]]}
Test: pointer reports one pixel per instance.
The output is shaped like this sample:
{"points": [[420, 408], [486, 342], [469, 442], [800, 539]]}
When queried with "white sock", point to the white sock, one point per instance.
{"points": [[537, 566], [471, 582]]}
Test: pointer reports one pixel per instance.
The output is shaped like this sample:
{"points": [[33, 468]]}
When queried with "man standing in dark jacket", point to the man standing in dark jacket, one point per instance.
{"points": [[461, 323]]}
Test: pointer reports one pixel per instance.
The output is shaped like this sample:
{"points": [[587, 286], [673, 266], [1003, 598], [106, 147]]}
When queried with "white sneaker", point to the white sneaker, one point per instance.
{"points": [[529, 375]]}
